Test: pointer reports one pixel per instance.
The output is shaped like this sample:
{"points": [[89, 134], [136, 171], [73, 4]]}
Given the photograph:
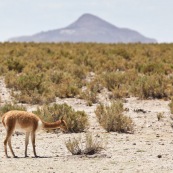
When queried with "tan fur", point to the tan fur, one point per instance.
{"points": [[29, 123]]}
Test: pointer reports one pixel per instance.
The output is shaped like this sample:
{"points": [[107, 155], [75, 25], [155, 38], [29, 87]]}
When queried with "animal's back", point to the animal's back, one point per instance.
{"points": [[21, 120]]}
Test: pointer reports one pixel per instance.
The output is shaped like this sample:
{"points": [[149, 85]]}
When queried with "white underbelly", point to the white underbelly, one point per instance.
{"points": [[20, 128]]}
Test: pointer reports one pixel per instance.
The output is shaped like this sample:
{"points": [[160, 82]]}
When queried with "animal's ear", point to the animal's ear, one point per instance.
{"points": [[62, 118]]}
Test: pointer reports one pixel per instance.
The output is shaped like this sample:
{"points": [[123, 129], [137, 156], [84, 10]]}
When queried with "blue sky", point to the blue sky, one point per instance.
{"points": [[152, 18]]}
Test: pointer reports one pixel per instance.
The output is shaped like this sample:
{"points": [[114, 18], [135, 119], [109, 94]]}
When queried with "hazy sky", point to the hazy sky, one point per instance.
{"points": [[152, 18]]}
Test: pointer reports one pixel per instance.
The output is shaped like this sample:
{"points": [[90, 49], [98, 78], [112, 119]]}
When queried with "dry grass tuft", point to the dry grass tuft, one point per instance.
{"points": [[74, 146], [91, 146], [160, 115]]}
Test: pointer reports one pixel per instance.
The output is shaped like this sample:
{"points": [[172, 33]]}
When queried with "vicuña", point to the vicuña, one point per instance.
{"points": [[29, 123]]}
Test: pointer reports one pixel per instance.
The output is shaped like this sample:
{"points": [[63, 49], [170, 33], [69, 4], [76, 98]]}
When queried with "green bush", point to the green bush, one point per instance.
{"points": [[111, 118], [76, 121], [9, 106]]}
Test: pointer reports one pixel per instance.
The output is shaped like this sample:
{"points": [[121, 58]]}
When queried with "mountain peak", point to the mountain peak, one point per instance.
{"points": [[88, 28], [88, 16], [88, 20]]}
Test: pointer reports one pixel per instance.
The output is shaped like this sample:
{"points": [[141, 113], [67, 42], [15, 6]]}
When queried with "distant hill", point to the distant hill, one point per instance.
{"points": [[88, 28]]}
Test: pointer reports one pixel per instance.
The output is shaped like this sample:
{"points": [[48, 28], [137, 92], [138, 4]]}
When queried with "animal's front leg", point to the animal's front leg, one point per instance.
{"points": [[33, 143], [26, 143]]}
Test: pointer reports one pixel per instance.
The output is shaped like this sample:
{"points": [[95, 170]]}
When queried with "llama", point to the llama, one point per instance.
{"points": [[30, 124]]}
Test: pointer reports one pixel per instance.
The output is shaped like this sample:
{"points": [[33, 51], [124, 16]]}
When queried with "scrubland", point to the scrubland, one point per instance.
{"points": [[116, 99]]}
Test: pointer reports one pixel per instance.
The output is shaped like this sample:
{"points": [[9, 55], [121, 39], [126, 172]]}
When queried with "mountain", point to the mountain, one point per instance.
{"points": [[88, 28]]}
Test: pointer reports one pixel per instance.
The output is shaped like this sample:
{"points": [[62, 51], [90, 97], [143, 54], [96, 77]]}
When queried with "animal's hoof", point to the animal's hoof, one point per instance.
{"points": [[15, 156]]}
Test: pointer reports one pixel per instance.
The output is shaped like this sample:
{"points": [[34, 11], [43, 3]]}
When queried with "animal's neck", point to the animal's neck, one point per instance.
{"points": [[51, 125]]}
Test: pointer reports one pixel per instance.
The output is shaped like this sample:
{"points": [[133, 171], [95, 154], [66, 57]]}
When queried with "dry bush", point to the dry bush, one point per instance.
{"points": [[91, 146], [34, 88], [74, 146], [111, 118], [90, 96], [153, 86], [10, 79], [93, 87], [114, 79], [76, 121], [65, 84], [9, 106], [15, 64]]}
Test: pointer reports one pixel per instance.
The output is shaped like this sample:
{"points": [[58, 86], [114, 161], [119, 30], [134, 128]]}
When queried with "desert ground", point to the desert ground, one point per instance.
{"points": [[148, 149]]}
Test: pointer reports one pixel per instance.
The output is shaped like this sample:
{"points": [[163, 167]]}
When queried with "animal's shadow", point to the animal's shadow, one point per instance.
{"points": [[32, 157]]}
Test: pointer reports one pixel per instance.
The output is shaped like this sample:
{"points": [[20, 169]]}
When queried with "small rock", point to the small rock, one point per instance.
{"points": [[159, 156]]}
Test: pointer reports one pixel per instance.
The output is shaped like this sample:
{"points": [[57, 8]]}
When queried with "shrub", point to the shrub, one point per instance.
{"points": [[120, 92], [9, 106], [65, 84], [93, 87], [153, 86], [111, 118], [90, 96], [76, 121], [15, 64], [91, 146], [114, 79], [10, 79], [34, 88]]}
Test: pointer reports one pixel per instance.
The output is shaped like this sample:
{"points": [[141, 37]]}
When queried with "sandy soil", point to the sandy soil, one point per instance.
{"points": [[149, 149]]}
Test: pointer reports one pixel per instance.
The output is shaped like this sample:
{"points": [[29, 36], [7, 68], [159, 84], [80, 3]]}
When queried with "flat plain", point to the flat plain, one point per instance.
{"points": [[148, 149]]}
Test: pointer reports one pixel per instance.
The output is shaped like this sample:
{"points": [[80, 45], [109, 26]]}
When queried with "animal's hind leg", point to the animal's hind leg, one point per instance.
{"points": [[8, 137], [33, 143], [26, 143], [11, 149]]}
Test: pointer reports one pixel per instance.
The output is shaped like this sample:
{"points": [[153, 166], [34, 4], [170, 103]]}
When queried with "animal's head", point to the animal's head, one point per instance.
{"points": [[63, 125]]}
